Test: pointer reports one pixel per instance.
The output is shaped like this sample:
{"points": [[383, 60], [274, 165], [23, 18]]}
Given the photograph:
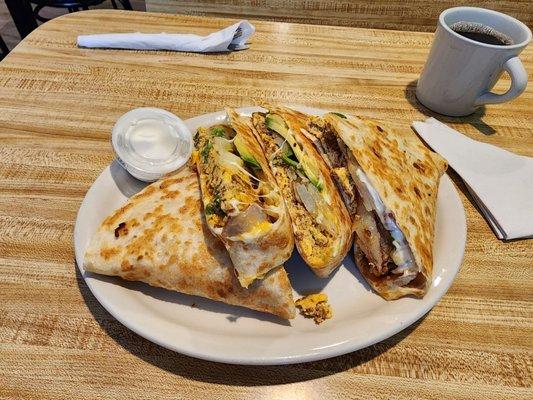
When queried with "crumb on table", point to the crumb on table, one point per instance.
{"points": [[315, 306]]}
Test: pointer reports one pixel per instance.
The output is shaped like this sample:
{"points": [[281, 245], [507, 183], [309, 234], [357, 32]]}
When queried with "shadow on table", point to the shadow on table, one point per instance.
{"points": [[474, 119], [227, 374]]}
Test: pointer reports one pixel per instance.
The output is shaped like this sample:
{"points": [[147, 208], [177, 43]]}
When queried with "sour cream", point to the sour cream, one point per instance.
{"points": [[150, 143], [402, 255]]}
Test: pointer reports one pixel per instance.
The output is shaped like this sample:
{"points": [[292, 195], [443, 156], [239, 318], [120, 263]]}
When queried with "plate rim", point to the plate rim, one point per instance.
{"points": [[336, 349]]}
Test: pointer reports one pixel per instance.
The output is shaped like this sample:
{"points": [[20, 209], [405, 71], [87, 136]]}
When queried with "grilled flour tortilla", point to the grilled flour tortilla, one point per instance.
{"points": [[389, 182], [242, 202], [321, 224], [160, 237]]}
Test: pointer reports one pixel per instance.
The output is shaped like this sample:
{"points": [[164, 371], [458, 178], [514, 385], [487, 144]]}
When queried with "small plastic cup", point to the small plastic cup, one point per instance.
{"points": [[150, 143]]}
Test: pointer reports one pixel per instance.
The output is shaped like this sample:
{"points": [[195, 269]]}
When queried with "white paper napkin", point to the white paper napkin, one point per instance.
{"points": [[231, 38], [500, 182]]}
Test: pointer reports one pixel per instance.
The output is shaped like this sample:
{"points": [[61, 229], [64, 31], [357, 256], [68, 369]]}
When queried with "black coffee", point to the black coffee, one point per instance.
{"points": [[481, 33]]}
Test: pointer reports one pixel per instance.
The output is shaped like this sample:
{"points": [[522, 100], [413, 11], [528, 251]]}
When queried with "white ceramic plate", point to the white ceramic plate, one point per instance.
{"points": [[218, 332]]}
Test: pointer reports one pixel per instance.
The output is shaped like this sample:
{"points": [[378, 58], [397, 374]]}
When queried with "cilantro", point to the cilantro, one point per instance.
{"points": [[214, 207], [205, 151], [218, 132]]}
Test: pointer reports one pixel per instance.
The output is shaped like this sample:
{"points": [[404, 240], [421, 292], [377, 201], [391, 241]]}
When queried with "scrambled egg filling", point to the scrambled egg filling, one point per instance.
{"points": [[315, 306], [313, 237], [229, 188]]}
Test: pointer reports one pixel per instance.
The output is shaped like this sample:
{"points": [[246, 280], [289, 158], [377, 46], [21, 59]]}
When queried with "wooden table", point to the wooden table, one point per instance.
{"points": [[57, 106], [404, 15]]}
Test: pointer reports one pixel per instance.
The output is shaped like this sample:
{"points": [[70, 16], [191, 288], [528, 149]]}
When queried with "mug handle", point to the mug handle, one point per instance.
{"points": [[518, 74]]}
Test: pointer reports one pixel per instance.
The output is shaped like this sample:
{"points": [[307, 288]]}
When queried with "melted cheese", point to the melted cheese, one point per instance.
{"points": [[194, 157], [261, 227]]}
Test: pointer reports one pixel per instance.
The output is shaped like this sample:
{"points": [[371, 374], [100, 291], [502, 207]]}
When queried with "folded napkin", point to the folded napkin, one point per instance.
{"points": [[231, 38], [501, 183]]}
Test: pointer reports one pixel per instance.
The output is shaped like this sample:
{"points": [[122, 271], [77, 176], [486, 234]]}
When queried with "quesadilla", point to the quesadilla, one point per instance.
{"points": [[160, 237], [242, 202], [320, 221], [389, 181]]}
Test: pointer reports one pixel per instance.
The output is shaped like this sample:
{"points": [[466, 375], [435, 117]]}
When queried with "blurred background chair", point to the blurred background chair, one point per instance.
{"points": [[22, 14], [3, 49], [20, 17], [72, 5]]}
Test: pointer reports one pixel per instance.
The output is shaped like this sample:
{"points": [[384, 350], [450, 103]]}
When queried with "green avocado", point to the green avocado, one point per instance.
{"points": [[277, 124], [339, 115], [244, 152], [311, 170], [288, 156], [294, 150]]}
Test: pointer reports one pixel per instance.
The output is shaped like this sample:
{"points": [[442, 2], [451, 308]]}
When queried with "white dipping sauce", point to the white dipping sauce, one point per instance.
{"points": [[151, 142]]}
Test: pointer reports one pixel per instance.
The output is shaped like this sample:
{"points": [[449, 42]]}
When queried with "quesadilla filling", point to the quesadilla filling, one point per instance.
{"points": [[378, 235], [239, 203], [315, 306], [302, 187]]}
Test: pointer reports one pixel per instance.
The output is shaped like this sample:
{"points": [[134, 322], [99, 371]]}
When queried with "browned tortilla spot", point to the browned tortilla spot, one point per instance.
{"points": [[145, 193], [126, 266], [169, 182], [108, 252], [121, 230], [170, 195], [118, 215]]}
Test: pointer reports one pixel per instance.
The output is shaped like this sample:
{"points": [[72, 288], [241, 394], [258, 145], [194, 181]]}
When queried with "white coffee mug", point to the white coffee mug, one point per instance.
{"points": [[460, 72]]}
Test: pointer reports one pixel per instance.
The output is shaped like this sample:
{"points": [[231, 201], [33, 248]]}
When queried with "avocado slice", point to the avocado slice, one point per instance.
{"points": [[339, 115], [288, 156], [305, 164], [311, 171], [244, 152], [277, 124]]}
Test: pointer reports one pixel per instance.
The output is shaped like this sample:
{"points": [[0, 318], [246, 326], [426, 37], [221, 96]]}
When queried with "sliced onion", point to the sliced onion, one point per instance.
{"points": [[404, 279], [230, 160], [306, 197], [409, 267], [361, 188], [222, 144], [402, 256], [291, 174], [244, 221], [366, 229], [279, 139]]}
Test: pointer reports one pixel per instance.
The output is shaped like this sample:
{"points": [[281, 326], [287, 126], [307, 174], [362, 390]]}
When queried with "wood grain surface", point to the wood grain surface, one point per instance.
{"points": [[58, 104], [405, 15]]}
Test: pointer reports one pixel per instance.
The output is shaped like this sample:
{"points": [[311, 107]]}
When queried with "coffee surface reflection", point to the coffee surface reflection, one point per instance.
{"points": [[481, 33]]}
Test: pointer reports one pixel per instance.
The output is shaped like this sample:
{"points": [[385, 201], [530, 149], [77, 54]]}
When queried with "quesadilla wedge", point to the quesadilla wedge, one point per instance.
{"points": [[320, 221], [389, 181], [160, 237], [242, 202]]}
